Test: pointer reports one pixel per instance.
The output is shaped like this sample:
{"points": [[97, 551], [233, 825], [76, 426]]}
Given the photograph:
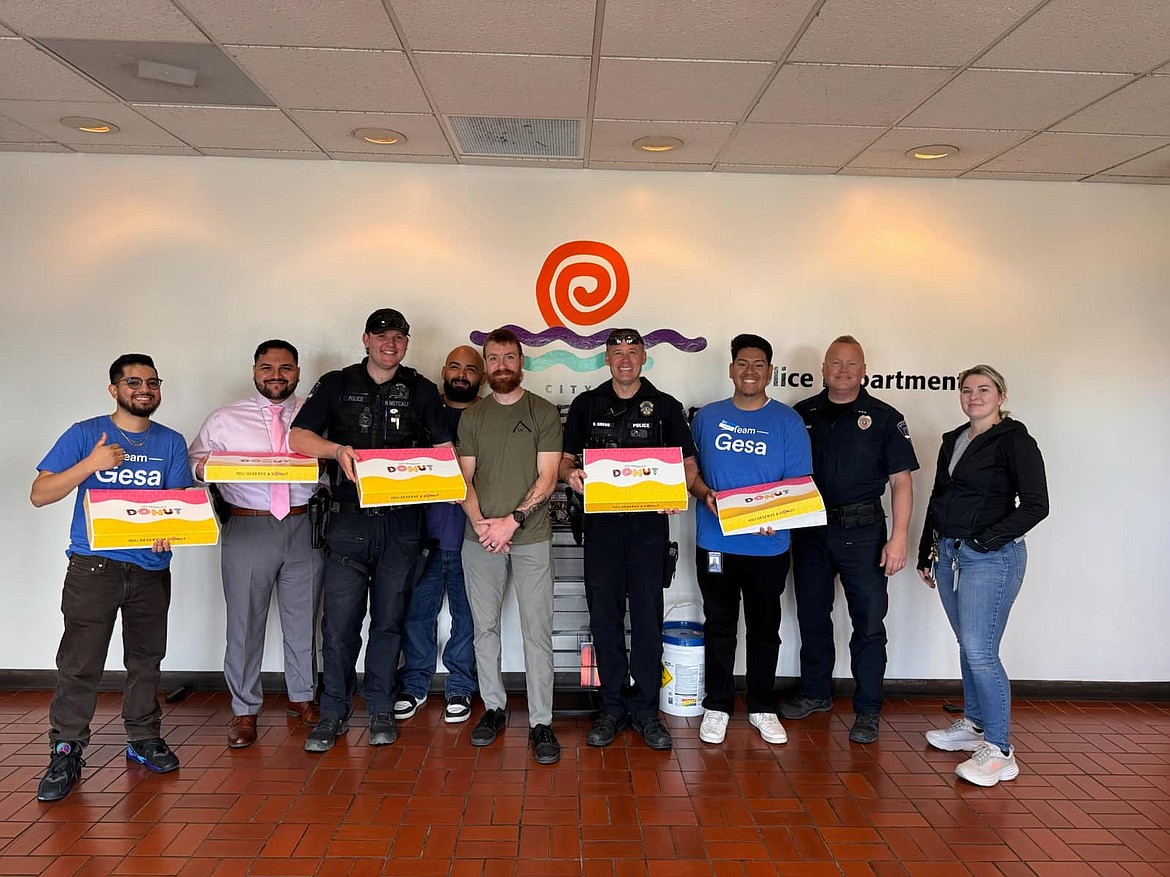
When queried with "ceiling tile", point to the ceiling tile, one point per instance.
{"points": [[333, 132], [1120, 36], [613, 141], [118, 149], [406, 159], [334, 79], [944, 33], [1000, 99], [550, 27], [101, 20], [510, 161], [30, 74], [541, 86], [1144, 181], [812, 145], [646, 166], [827, 94], [934, 173], [115, 64], [757, 30], [12, 131], [266, 153], [1072, 153], [693, 91], [354, 24], [774, 169], [1009, 175], [5, 32], [1154, 164], [228, 127], [1142, 107], [45, 117], [975, 147], [33, 147]]}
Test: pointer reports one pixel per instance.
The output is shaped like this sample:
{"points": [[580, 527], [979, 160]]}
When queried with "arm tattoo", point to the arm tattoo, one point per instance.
{"points": [[533, 500]]}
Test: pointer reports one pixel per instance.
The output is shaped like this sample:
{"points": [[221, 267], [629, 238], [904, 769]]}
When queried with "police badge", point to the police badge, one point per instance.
{"points": [[647, 408], [864, 421]]}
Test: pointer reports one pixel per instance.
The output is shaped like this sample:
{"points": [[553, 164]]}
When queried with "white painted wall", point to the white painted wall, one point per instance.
{"points": [[1061, 286]]}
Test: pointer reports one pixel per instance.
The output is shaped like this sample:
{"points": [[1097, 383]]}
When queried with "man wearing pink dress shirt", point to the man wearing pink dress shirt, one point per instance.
{"points": [[266, 543]]}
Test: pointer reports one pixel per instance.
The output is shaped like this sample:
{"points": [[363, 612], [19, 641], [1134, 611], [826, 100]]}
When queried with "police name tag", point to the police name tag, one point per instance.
{"points": [[780, 505], [409, 476], [634, 480]]}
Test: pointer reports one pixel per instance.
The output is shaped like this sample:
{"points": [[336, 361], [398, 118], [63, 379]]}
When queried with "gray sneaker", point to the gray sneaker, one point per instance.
{"points": [[865, 728], [803, 707], [322, 737], [383, 729], [962, 736]]}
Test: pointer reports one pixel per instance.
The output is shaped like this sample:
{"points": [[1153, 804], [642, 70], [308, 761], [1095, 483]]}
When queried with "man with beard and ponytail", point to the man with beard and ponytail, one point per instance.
{"points": [[266, 544], [125, 450], [372, 555], [462, 376], [509, 451]]}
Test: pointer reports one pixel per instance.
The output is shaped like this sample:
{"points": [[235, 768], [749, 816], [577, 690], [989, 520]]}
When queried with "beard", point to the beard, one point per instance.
{"points": [[505, 380], [277, 391], [140, 409], [460, 391]]}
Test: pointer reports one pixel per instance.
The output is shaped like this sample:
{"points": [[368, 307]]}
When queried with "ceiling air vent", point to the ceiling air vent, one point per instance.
{"points": [[531, 138]]}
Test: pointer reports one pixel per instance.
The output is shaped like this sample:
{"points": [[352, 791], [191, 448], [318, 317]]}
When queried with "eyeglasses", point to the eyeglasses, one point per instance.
{"points": [[136, 383], [623, 338]]}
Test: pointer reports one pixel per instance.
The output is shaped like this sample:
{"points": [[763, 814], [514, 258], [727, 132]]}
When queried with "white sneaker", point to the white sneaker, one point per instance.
{"points": [[962, 736], [988, 765], [770, 728], [714, 727], [406, 705]]}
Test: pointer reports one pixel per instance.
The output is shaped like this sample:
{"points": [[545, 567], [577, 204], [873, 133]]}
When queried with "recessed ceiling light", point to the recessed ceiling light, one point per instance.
{"points": [[379, 136], [932, 152], [658, 144], [90, 125]]}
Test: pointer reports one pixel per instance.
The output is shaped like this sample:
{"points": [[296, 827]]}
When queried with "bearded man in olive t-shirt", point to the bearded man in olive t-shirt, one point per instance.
{"points": [[509, 450]]}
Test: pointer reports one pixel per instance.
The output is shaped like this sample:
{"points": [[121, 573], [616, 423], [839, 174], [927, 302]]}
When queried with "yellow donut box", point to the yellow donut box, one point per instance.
{"points": [[409, 476], [781, 505], [136, 518], [240, 467], [634, 480]]}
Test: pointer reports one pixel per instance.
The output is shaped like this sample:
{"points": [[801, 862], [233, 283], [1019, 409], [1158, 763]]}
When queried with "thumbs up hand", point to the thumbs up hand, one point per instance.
{"points": [[105, 456]]}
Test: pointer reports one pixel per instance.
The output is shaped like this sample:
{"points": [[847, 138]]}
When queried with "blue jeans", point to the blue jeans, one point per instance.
{"points": [[977, 591], [443, 574]]}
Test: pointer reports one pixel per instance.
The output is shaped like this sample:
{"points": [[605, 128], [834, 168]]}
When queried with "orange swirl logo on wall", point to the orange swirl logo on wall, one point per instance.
{"points": [[582, 283]]}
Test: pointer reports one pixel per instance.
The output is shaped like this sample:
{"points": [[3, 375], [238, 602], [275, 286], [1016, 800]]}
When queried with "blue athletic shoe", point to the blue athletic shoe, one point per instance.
{"points": [[154, 754]]}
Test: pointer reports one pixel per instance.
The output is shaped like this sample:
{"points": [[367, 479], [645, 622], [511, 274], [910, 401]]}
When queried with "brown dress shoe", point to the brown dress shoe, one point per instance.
{"points": [[242, 732], [308, 710]]}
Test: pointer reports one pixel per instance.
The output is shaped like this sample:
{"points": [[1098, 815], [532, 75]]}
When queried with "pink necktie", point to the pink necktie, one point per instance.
{"points": [[278, 501]]}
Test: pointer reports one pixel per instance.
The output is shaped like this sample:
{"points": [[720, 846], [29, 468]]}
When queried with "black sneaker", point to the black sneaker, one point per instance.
{"points": [[65, 764], [383, 729], [154, 754], [458, 709], [488, 727], [605, 728], [406, 705], [803, 707], [865, 728], [654, 732], [544, 745], [322, 737]]}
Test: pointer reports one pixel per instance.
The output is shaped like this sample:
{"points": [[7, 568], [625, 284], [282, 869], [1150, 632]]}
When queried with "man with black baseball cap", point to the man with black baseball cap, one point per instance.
{"points": [[371, 553]]}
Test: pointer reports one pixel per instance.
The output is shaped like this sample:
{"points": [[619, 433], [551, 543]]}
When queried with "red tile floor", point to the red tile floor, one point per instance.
{"points": [[1093, 797]]}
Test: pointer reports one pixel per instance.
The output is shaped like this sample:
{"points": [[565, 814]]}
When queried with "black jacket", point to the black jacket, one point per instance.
{"points": [[979, 501]]}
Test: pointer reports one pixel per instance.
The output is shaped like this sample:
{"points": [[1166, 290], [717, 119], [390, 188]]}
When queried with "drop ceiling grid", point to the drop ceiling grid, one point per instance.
{"points": [[723, 75]]}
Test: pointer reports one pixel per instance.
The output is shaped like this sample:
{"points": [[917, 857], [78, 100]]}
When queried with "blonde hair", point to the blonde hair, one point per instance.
{"points": [[992, 375]]}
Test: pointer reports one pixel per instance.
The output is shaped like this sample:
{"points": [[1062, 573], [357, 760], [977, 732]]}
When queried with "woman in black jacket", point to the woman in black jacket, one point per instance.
{"points": [[989, 490]]}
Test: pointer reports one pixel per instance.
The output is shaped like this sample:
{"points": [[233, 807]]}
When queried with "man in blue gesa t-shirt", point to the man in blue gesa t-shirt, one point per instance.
{"points": [[121, 451]]}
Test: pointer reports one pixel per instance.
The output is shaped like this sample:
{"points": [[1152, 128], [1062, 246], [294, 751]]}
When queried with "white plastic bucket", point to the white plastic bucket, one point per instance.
{"points": [[683, 685]]}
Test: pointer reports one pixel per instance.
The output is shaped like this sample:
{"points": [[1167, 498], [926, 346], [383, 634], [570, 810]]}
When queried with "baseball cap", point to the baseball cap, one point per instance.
{"points": [[385, 319], [624, 336]]}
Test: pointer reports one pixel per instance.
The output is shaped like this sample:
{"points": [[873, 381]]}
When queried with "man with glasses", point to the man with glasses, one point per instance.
{"points": [[371, 554], [626, 554], [125, 450], [266, 544]]}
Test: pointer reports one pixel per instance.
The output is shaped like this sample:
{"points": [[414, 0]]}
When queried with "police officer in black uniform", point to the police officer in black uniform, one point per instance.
{"points": [[372, 553], [626, 553], [858, 443]]}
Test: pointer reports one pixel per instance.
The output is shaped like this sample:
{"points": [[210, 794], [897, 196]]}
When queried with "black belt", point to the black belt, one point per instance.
{"points": [[353, 508], [856, 514]]}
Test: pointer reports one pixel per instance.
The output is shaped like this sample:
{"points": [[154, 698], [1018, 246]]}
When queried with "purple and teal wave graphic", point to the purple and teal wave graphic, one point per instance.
{"points": [[597, 339]]}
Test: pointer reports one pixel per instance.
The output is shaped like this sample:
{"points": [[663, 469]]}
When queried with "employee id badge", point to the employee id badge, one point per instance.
{"points": [[714, 561]]}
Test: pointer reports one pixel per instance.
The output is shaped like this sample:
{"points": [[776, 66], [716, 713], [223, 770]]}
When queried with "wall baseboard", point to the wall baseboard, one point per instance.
{"points": [[177, 684]]}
